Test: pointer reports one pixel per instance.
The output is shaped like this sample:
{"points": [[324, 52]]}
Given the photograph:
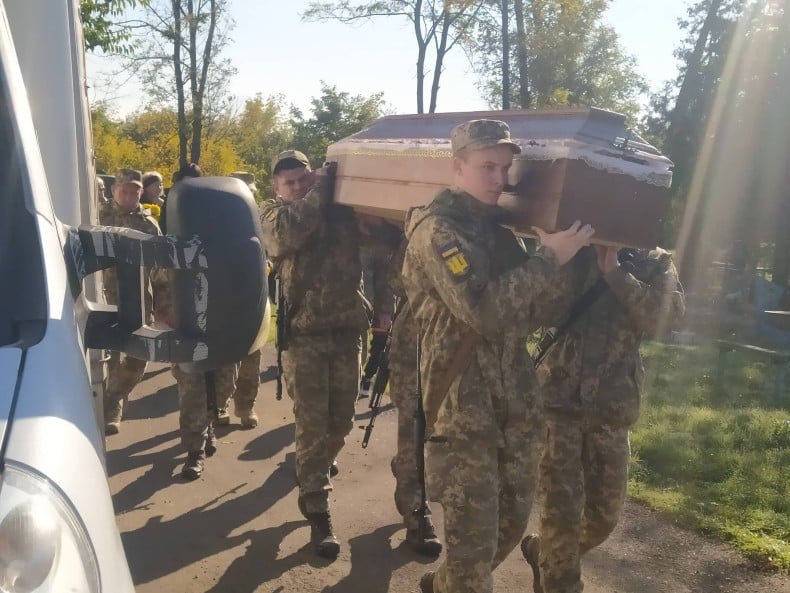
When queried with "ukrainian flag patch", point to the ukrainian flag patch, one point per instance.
{"points": [[454, 259]]}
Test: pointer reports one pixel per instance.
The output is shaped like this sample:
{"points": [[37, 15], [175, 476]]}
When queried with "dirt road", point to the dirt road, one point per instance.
{"points": [[237, 529]]}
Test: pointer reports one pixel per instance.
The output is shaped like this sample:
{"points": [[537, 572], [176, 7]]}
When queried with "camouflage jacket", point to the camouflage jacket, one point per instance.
{"points": [[375, 255], [595, 368], [314, 248], [139, 219], [462, 271]]}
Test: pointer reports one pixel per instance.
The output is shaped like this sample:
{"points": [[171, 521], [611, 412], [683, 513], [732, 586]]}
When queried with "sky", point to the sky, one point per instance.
{"points": [[276, 53]]}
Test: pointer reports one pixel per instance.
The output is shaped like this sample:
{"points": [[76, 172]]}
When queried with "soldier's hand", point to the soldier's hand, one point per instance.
{"points": [[607, 258], [565, 244]]}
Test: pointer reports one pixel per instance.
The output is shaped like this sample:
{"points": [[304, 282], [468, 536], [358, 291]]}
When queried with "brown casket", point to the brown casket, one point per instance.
{"points": [[575, 165]]}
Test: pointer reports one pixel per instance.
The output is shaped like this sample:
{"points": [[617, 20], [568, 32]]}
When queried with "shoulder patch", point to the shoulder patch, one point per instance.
{"points": [[454, 259], [270, 215]]}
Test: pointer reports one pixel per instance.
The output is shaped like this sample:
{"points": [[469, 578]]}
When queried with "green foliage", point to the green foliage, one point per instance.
{"points": [[715, 458], [571, 58], [248, 141], [334, 115], [101, 28]]}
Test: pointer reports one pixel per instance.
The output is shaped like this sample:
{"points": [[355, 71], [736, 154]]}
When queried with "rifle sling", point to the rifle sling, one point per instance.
{"points": [[461, 360], [579, 308]]}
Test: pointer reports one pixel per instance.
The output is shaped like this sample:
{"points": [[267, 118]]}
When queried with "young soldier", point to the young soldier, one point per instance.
{"points": [[314, 247], [472, 289], [591, 379], [125, 210]]}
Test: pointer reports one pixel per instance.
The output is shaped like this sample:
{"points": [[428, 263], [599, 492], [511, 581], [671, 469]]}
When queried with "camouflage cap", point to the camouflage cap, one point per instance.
{"points": [[482, 133], [246, 177], [290, 155], [124, 176]]}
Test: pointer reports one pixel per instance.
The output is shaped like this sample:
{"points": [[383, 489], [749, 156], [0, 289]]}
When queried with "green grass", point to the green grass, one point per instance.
{"points": [[717, 459]]}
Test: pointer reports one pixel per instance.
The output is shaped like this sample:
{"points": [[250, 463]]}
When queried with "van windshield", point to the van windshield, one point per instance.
{"points": [[23, 306]]}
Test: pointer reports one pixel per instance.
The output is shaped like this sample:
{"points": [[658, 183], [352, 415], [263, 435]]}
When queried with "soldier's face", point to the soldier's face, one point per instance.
{"points": [[483, 173], [127, 195], [293, 184], [153, 190]]}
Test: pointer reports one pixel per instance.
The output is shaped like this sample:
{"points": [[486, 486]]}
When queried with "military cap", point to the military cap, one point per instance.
{"points": [[482, 133], [246, 177], [290, 155], [128, 176]]}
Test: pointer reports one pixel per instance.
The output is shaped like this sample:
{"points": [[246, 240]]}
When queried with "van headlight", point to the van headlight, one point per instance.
{"points": [[44, 547]]}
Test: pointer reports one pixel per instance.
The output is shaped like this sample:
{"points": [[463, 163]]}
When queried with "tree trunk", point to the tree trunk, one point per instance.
{"points": [[200, 86], [422, 48], [525, 100], [679, 124], [441, 51], [505, 55], [179, 76]]}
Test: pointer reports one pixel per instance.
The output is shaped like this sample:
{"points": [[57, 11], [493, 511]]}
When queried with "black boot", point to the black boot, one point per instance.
{"points": [[322, 537], [424, 541], [194, 465], [530, 548], [426, 582], [333, 469]]}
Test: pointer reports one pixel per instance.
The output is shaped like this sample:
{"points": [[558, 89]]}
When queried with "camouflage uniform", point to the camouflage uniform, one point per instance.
{"points": [[375, 254], [126, 371], [314, 247], [464, 272], [591, 381], [194, 419], [403, 392]]}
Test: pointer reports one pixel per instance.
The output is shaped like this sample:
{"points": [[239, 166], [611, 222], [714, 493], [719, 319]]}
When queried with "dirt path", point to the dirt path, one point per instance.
{"points": [[237, 529]]}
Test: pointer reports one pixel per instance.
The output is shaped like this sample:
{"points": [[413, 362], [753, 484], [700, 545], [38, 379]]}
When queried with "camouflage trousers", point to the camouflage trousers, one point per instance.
{"points": [[321, 376], [124, 373], [194, 418], [247, 384], [403, 393], [583, 479], [486, 493]]}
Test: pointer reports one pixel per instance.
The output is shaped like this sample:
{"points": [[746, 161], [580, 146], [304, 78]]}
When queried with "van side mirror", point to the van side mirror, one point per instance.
{"points": [[217, 268]]}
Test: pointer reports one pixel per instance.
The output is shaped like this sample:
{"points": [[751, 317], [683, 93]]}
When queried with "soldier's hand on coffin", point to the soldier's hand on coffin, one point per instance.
{"points": [[565, 244], [607, 258]]}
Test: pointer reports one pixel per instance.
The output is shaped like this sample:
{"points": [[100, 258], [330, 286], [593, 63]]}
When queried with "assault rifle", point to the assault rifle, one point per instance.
{"points": [[282, 325], [379, 386]]}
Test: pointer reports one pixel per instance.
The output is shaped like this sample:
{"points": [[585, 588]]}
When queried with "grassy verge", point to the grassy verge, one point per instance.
{"points": [[717, 459]]}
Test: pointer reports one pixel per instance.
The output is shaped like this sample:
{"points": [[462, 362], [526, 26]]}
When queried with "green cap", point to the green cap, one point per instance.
{"points": [[128, 176], [482, 133], [290, 155]]}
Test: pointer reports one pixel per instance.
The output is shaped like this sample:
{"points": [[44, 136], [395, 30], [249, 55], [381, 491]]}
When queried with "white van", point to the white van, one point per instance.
{"points": [[57, 526]]}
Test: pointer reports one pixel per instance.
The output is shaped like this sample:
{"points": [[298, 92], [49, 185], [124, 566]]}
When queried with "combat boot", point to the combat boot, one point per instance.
{"points": [[334, 469], [530, 548], [426, 582], [248, 417], [211, 441], [194, 465], [322, 537], [223, 418], [364, 388], [113, 410], [424, 541]]}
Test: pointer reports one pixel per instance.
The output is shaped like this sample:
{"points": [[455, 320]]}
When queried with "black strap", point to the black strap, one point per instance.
{"points": [[579, 308]]}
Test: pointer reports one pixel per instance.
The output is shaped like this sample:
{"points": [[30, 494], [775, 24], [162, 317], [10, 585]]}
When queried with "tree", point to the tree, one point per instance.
{"points": [[101, 27], [259, 133], [334, 115], [724, 124], [177, 56], [442, 24], [560, 55]]}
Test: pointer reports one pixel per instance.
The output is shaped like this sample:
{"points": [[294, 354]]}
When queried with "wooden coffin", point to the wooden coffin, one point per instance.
{"points": [[575, 165]]}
